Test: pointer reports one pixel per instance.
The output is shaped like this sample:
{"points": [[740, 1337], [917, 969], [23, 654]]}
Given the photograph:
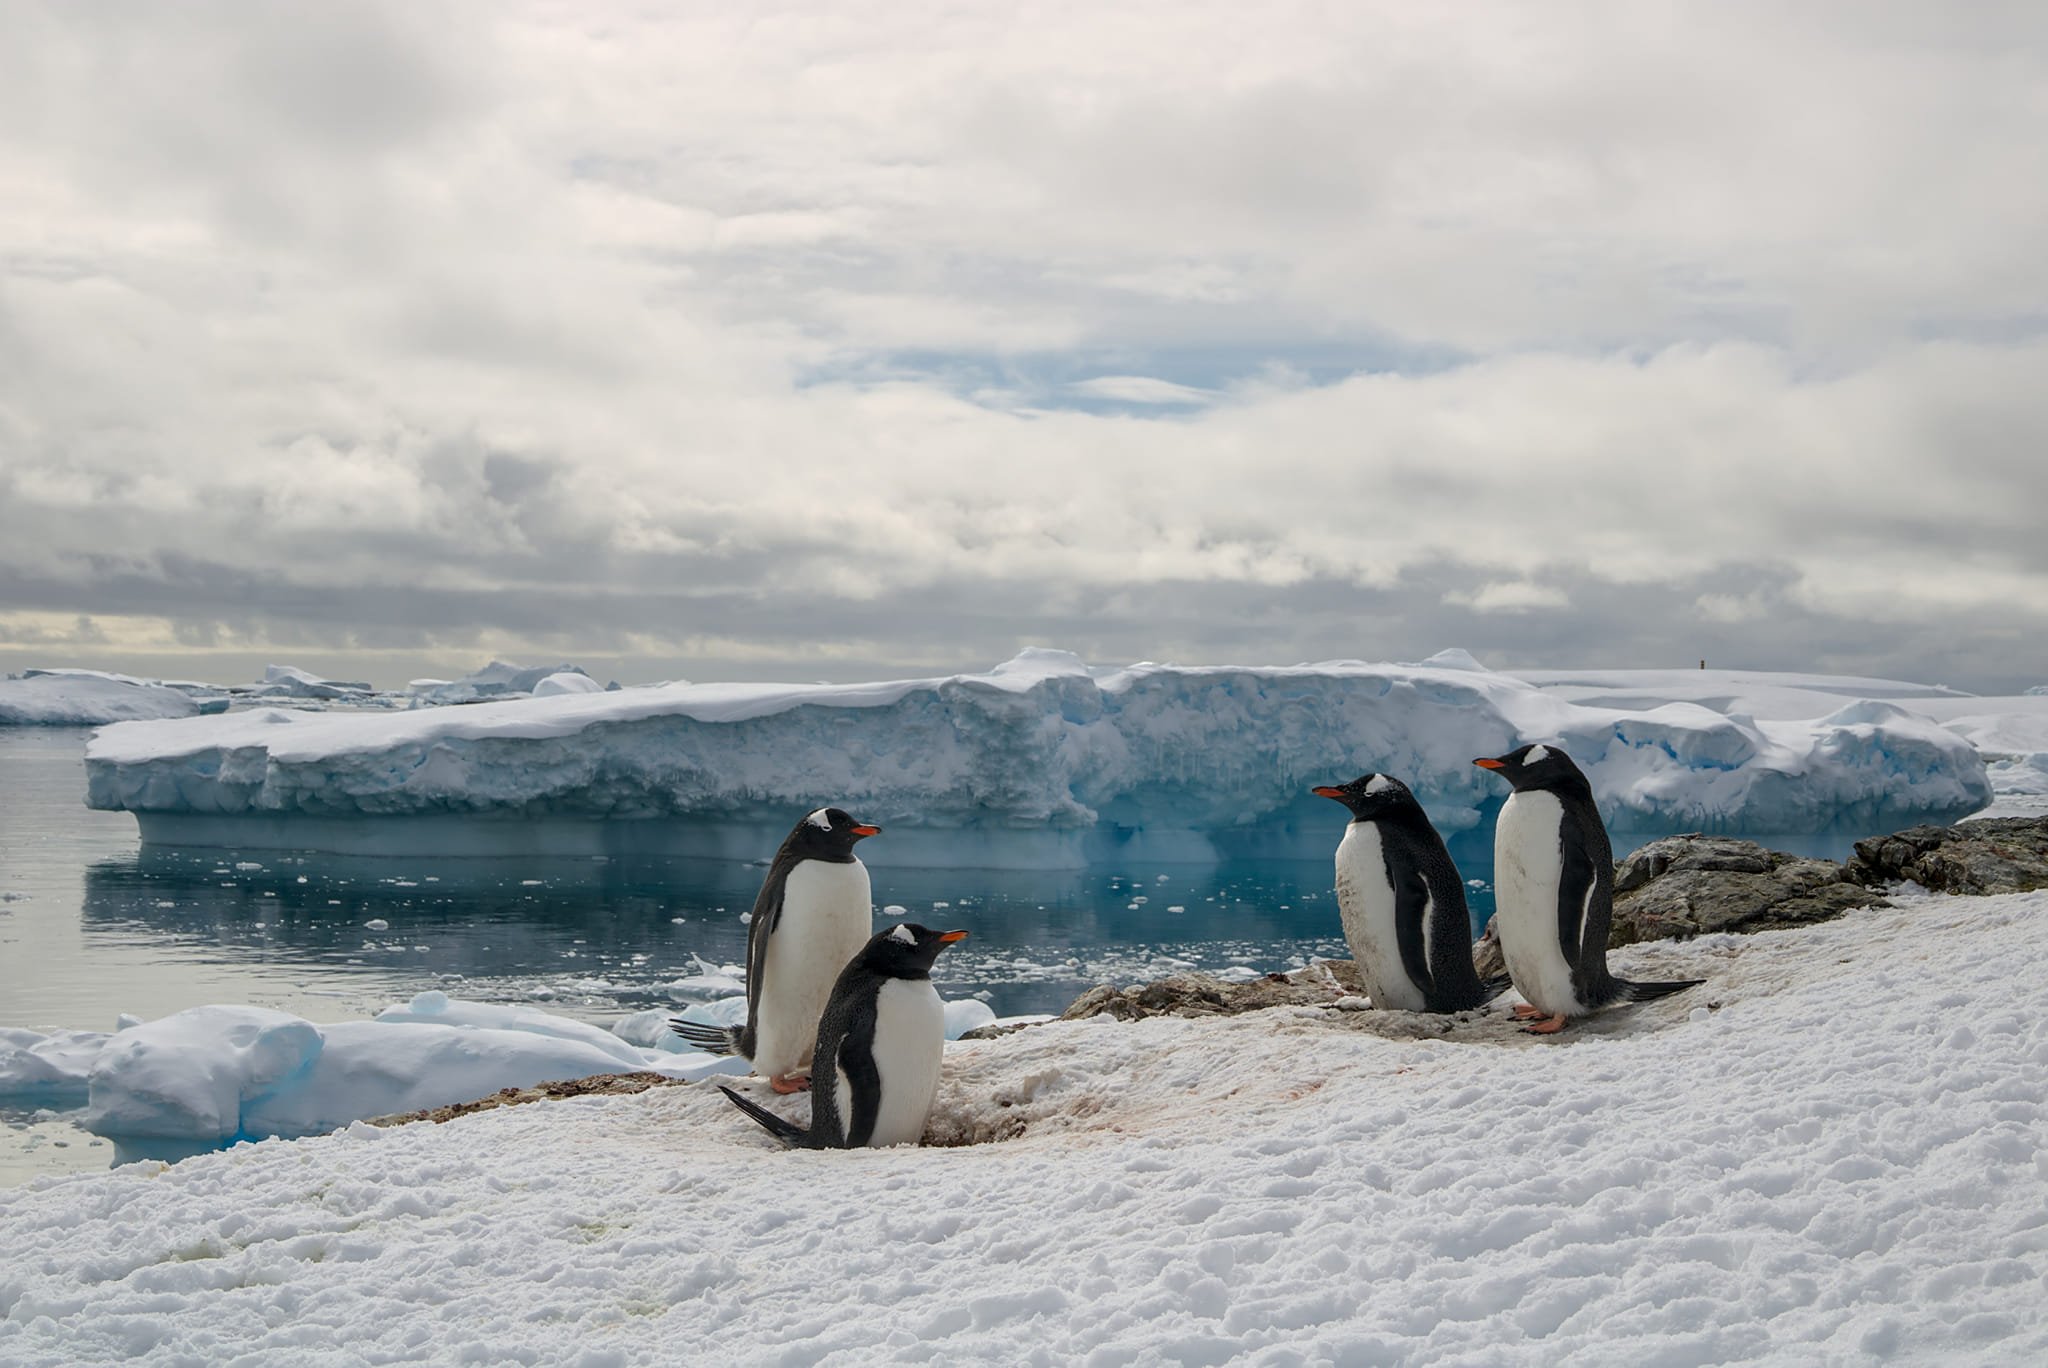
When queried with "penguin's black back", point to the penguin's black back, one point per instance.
{"points": [[806, 841], [1585, 893], [1421, 871]]}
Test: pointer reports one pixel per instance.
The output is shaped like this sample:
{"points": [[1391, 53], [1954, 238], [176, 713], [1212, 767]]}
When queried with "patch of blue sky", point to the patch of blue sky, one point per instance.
{"points": [[1160, 381]]}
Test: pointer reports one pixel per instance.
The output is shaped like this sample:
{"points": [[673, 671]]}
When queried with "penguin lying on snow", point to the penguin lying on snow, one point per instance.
{"points": [[878, 1050], [1553, 878], [813, 913], [1402, 903]]}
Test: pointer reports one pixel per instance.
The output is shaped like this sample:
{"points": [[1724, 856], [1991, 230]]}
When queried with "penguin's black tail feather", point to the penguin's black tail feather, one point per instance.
{"points": [[1649, 992], [718, 1040], [788, 1132], [1489, 989]]}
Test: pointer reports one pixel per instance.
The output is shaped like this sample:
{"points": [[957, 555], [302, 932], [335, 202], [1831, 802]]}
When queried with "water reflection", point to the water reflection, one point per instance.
{"points": [[599, 937]]}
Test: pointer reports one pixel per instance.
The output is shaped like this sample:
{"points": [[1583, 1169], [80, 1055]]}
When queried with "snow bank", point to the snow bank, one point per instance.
{"points": [[1778, 1167], [86, 698], [1040, 762]]}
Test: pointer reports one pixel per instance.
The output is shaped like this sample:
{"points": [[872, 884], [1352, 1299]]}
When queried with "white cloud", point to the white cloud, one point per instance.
{"points": [[477, 303], [1516, 597]]}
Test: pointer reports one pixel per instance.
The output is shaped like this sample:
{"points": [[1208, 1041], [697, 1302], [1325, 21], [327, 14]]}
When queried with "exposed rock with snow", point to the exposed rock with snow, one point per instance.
{"points": [[1689, 885], [2001, 855], [1321, 984]]}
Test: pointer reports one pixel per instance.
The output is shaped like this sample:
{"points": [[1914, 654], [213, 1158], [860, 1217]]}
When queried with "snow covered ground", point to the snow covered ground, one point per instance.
{"points": [[1829, 1153], [1041, 762]]}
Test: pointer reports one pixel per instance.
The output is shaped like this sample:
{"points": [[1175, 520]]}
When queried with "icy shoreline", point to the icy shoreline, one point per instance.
{"points": [[1780, 1166], [1042, 762]]}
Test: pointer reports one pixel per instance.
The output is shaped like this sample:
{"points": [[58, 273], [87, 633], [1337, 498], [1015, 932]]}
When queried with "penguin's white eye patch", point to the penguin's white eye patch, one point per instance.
{"points": [[819, 820], [1380, 784], [1536, 756], [900, 932]]}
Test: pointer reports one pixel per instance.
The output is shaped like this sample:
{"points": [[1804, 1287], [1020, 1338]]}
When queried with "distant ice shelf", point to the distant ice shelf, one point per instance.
{"points": [[1041, 762]]}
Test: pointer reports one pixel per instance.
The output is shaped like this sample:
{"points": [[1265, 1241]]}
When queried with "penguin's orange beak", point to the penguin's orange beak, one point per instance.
{"points": [[1327, 791], [867, 830], [948, 937], [1489, 764]]}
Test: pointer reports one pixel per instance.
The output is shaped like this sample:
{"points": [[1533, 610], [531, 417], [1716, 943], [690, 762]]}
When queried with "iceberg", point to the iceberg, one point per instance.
{"points": [[88, 698], [500, 679], [1041, 762]]}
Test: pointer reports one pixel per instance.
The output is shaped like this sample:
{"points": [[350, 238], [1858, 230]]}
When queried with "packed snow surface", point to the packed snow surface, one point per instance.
{"points": [[1041, 761], [86, 698], [1828, 1153]]}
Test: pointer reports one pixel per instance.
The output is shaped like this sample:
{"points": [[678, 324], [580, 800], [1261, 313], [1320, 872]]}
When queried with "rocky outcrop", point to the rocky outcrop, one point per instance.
{"points": [[1321, 984], [2002, 855], [1689, 885]]}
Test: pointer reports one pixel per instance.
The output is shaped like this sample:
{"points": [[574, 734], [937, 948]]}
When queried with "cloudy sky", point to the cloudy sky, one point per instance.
{"points": [[825, 341]]}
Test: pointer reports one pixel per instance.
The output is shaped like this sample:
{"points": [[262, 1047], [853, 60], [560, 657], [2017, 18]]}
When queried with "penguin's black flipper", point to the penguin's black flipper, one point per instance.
{"points": [[718, 1040], [788, 1132], [1649, 992]]}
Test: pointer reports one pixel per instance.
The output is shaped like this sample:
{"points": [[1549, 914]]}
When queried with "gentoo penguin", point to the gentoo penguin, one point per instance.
{"points": [[1403, 907], [813, 914], [878, 1051], [1553, 879]]}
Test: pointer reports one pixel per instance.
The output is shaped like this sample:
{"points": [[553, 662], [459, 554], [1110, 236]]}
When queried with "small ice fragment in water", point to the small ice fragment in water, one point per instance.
{"points": [[376, 924]]}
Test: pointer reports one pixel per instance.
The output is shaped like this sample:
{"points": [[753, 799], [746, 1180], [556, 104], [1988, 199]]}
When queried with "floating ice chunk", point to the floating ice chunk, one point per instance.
{"points": [[566, 682], [48, 1068], [187, 1076], [502, 1017], [86, 698], [967, 1014]]}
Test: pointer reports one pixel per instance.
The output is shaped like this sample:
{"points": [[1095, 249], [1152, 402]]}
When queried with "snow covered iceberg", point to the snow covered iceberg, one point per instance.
{"points": [[1042, 762], [87, 698]]}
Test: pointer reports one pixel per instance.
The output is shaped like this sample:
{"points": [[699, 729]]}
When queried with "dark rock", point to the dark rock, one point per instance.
{"points": [[2002, 855], [1193, 995], [1690, 885]]}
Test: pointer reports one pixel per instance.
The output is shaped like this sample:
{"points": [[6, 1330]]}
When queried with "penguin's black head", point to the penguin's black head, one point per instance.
{"points": [[906, 950], [1535, 767], [1370, 796], [827, 834]]}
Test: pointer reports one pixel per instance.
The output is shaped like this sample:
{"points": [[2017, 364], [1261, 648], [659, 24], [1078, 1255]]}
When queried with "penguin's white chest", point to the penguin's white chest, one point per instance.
{"points": [[827, 916], [1528, 865], [1366, 903], [910, 1039]]}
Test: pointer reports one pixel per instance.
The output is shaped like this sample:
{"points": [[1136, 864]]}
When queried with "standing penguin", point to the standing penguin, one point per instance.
{"points": [[1553, 873], [878, 1050], [813, 913], [1403, 907]]}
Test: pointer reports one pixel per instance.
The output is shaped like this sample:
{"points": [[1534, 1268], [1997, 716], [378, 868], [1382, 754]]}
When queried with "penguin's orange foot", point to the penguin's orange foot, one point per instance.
{"points": [[1547, 1026], [790, 1083], [1523, 1011]]}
